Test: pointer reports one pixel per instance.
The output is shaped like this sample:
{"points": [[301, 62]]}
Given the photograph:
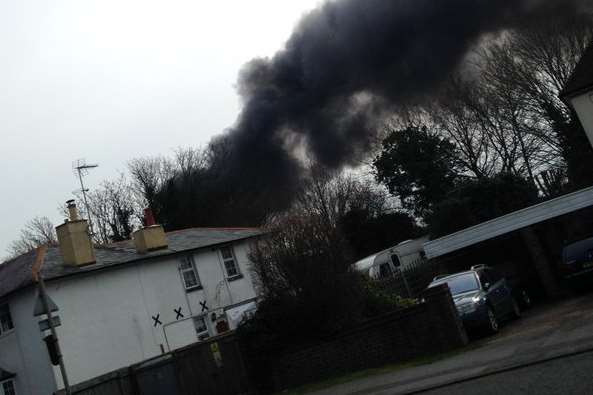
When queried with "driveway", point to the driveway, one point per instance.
{"points": [[544, 333]]}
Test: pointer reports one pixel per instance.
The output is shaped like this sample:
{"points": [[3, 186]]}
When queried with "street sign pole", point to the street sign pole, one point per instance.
{"points": [[52, 328]]}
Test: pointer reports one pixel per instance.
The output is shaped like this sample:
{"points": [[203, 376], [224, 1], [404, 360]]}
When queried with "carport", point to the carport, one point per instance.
{"points": [[525, 244]]}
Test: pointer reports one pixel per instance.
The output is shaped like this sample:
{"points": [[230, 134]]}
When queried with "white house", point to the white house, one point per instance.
{"points": [[120, 304], [579, 92]]}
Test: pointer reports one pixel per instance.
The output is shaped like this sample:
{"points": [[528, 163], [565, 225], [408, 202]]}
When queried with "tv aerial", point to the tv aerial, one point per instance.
{"points": [[81, 168]]}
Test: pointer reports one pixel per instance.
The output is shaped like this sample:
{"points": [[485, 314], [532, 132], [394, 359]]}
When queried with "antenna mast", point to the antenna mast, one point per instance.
{"points": [[82, 168]]}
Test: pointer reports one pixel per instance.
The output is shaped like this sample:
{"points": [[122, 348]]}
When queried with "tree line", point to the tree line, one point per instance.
{"points": [[494, 139], [497, 137]]}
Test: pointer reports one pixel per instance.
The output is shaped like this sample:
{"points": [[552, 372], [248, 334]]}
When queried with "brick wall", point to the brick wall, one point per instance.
{"points": [[430, 327]]}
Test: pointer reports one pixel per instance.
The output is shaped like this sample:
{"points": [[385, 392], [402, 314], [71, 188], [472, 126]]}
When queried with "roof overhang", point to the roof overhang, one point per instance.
{"points": [[581, 80], [509, 223]]}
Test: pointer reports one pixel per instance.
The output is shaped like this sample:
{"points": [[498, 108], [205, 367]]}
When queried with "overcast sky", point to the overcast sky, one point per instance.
{"points": [[112, 80]]}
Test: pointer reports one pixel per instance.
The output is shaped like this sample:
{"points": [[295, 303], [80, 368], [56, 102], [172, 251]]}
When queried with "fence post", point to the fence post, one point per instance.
{"points": [[134, 381], [450, 332]]}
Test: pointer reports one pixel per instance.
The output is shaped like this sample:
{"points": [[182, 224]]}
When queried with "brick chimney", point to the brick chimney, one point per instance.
{"points": [[151, 237], [74, 239]]}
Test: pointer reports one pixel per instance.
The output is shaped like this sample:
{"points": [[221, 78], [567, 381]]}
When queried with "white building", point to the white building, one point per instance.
{"points": [[579, 92], [126, 306]]}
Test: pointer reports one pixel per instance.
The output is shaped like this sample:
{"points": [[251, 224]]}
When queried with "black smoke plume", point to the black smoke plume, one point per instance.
{"points": [[346, 66]]}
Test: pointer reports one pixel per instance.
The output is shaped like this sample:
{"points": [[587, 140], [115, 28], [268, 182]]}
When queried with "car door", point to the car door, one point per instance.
{"points": [[488, 289], [500, 291]]}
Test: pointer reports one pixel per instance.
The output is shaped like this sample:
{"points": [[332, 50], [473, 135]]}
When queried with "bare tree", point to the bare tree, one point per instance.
{"points": [[188, 160], [148, 177], [303, 262], [524, 73], [504, 114], [114, 211], [457, 116], [36, 232]]}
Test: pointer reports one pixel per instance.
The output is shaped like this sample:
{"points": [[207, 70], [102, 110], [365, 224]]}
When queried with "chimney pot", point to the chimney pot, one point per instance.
{"points": [[149, 217], [72, 210]]}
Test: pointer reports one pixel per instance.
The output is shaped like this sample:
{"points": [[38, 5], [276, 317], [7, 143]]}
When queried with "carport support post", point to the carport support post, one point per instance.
{"points": [[540, 261]]}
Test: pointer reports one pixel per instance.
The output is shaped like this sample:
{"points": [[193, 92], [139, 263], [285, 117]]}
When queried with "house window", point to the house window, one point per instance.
{"points": [[7, 388], [5, 319], [201, 327], [229, 261], [189, 274]]}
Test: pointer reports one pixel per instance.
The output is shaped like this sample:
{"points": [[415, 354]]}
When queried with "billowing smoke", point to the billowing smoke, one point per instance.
{"points": [[346, 66]]}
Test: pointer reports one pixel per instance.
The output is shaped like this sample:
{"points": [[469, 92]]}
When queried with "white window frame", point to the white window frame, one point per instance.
{"points": [[232, 258], [206, 332], [188, 261], [2, 392], [9, 330]]}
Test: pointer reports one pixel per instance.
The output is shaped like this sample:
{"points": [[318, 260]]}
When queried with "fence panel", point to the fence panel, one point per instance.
{"points": [[213, 367], [114, 383], [157, 378], [411, 281], [216, 367]]}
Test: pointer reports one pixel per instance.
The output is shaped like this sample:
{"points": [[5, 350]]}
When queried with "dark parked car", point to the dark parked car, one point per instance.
{"points": [[577, 260], [482, 296]]}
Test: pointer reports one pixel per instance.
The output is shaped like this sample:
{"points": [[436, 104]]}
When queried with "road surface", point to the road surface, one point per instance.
{"points": [[544, 333], [568, 375]]}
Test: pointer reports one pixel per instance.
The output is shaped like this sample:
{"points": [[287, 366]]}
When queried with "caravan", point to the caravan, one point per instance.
{"points": [[387, 263]]}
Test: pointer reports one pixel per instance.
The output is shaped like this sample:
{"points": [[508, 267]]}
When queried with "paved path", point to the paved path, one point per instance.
{"points": [[543, 333]]}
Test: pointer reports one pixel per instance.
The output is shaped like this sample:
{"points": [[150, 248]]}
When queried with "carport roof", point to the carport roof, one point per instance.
{"points": [[509, 223]]}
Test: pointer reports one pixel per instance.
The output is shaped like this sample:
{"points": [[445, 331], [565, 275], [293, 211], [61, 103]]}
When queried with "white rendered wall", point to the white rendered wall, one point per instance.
{"points": [[22, 351], [583, 105], [106, 316]]}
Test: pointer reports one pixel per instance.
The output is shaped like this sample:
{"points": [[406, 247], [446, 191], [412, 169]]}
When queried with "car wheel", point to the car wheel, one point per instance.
{"points": [[516, 311], [492, 321]]}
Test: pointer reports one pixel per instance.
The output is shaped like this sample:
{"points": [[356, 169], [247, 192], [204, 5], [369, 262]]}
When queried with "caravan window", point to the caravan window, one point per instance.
{"points": [[385, 270], [395, 260]]}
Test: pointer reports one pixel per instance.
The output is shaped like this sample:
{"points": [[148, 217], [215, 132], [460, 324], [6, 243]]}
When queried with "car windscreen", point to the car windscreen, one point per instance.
{"points": [[460, 284]]}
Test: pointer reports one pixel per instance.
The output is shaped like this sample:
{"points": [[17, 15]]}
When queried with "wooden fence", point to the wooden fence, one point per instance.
{"points": [[213, 367]]}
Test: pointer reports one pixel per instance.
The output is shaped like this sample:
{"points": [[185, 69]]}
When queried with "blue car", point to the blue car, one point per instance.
{"points": [[482, 296], [577, 261]]}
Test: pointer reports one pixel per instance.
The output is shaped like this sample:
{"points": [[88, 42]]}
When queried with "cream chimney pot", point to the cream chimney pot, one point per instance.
{"points": [[72, 210]]}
